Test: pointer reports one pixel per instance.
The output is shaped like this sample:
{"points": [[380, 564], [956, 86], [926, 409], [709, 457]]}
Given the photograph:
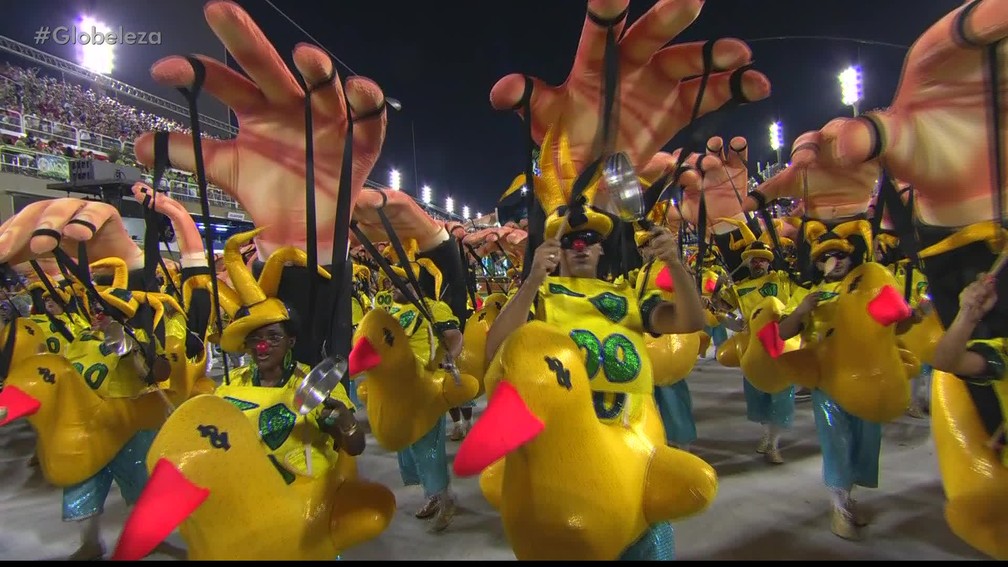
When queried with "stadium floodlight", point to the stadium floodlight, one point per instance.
{"points": [[449, 205], [97, 56], [426, 195], [395, 180], [777, 138], [465, 211], [851, 91]]}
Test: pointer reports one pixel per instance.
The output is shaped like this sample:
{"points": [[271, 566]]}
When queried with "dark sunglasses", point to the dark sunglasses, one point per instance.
{"points": [[836, 254], [589, 237]]}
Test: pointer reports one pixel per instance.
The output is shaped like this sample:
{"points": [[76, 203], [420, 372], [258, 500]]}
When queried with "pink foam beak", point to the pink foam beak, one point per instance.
{"points": [[664, 280], [710, 285], [888, 307], [506, 425], [363, 357], [17, 404], [769, 337], [167, 500]]}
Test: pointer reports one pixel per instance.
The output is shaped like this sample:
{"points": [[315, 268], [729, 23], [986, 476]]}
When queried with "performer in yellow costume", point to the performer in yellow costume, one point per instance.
{"points": [[605, 320], [266, 329], [774, 411], [425, 462]]}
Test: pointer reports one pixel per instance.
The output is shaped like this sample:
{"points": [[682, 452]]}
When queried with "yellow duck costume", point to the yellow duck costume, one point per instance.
{"points": [[761, 301], [82, 419], [260, 447], [405, 391], [608, 356], [862, 365], [561, 500]]}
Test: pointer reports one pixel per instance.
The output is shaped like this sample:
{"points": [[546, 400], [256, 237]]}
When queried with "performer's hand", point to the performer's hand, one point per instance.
{"points": [[546, 259], [978, 298], [835, 191], [937, 135], [264, 167], [96, 223], [658, 84], [725, 182], [189, 240], [407, 218]]}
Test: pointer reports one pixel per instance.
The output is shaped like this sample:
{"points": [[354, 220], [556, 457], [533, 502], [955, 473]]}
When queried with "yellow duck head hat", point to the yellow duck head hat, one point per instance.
{"points": [[554, 196], [886, 242], [117, 294], [259, 305], [412, 248], [62, 288], [753, 247], [839, 238]]}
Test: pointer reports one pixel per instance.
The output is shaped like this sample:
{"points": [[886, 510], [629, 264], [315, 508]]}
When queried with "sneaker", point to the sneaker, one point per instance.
{"points": [[445, 513], [842, 525], [456, 433], [764, 445], [429, 509], [773, 456]]}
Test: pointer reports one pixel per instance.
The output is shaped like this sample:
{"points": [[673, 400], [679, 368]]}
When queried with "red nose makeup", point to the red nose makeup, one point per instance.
{"points": [[579, 245], [261, 348]]}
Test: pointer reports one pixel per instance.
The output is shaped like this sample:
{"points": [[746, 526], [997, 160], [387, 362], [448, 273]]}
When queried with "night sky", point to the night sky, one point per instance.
{"points": [[441, 58]]}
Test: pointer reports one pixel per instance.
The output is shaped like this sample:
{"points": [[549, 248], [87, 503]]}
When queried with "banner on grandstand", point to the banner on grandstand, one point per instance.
{"points": [[54, 167]]}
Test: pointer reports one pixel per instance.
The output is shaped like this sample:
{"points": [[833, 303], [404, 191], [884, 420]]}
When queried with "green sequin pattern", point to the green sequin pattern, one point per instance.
{"points": [[284, 473], [745, 291], [275, 425], [557, 289], [241, 404], [769, 289], [613, 306], [620, 360], [407, 318], [587, 341]]}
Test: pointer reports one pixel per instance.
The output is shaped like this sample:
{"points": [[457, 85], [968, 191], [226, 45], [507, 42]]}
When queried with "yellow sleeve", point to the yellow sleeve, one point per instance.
{"points": [[442, 314], [341, 395]]}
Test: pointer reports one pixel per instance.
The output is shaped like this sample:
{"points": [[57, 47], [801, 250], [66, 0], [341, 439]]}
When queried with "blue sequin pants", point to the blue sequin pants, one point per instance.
{"points": [[763, 408], [657, 544], [675, 405], [129, 471], [717, 334], [426, 461], [352, 393], [850, 445]]}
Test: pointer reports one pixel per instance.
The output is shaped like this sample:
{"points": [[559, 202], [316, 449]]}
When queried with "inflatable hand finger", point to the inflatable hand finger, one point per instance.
{"points": [[658, 85], [37, 229], [725, 182], [833, 191], [270, 106], [937, 134], [407, 218], [189, 238]]}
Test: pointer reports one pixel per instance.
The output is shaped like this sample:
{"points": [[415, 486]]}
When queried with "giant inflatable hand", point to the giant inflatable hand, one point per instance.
{"points": [[407, 218], [658, 85], [25, 236], [190, 242], [724, 186], [264, 167], [937, 134], [828, 190]]}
